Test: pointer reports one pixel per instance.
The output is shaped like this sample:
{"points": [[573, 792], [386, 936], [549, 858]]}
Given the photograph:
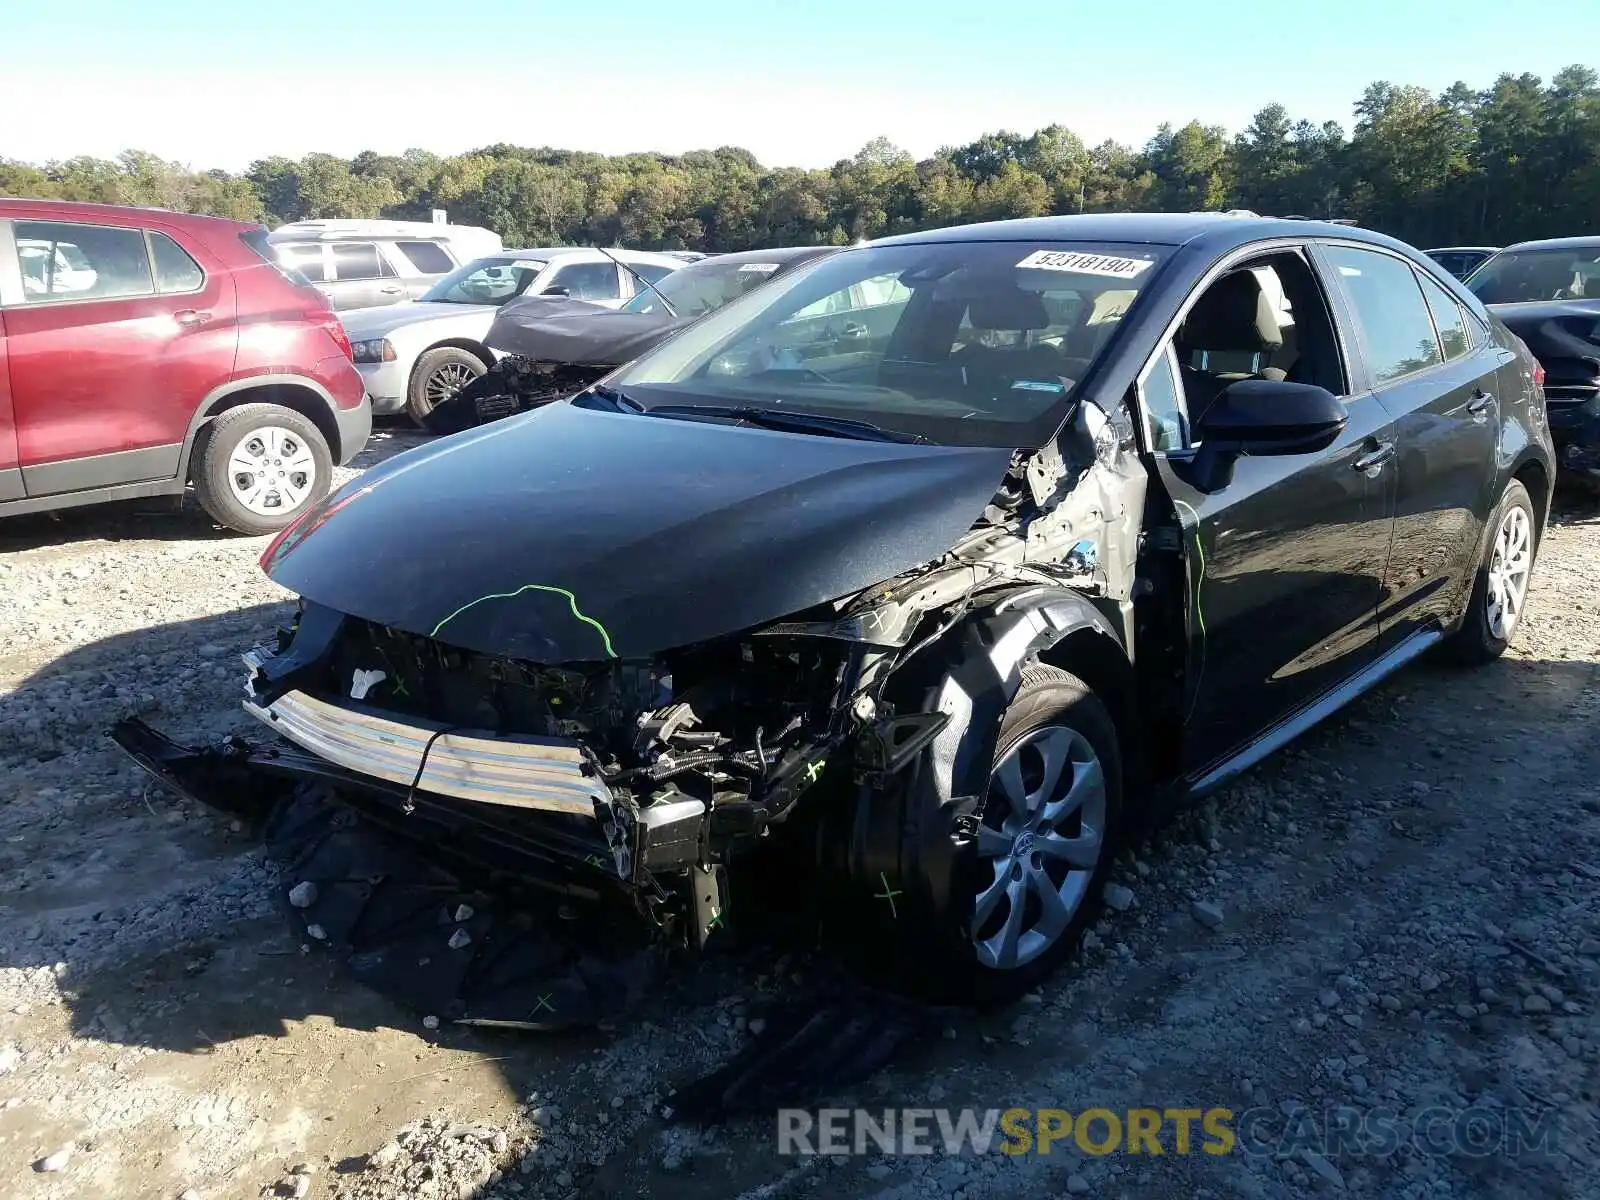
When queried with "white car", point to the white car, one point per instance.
{"points": [[414, 356]]}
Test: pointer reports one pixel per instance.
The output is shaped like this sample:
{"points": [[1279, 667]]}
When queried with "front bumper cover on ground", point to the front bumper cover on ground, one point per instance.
{"points": [[407, 924]]}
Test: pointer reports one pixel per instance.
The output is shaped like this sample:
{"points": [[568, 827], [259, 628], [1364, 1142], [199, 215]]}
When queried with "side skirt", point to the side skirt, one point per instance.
{"points": [[1196, 786]]}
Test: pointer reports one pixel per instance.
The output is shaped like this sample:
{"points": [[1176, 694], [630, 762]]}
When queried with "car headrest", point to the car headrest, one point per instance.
{"points": [[1009, 308], [1234, 314]]}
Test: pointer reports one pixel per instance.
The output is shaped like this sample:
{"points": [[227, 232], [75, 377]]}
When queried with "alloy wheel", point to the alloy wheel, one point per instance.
{"points": [[271, 471], [1042, 834], [1509, 569], [447, 379]]}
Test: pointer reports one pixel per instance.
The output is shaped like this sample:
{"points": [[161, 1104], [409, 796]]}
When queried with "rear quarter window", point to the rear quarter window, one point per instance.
{"points": [[429, 258]]}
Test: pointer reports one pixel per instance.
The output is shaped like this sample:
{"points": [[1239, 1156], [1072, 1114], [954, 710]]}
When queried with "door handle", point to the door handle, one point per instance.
{"points": [[191, 317], [1373, 460], [1480, 401], [392, 290]]}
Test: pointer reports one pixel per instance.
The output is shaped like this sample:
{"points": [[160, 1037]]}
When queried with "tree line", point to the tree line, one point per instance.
{"points": [[1517, 160]]}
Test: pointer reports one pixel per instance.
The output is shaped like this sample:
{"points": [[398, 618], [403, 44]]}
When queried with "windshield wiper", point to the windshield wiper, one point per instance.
{"points": [[619, 401], [803, 422]]}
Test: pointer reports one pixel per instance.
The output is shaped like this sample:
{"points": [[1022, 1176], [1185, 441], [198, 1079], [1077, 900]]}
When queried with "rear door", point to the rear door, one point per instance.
{"points": [[110, 350], [1439, 383], [360, 277], [10, 469]]}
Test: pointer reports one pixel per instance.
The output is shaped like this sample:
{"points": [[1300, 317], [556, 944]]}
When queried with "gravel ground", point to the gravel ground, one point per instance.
{"points": [[1399, 913]]}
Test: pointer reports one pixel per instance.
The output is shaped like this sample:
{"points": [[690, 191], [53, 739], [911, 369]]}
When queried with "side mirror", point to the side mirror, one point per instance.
{"points": [[1262, 417], [555, 289]]}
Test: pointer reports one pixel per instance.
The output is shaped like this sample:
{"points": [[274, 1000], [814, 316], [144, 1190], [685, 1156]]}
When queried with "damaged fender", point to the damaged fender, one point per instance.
{"points": [[901, 839]]}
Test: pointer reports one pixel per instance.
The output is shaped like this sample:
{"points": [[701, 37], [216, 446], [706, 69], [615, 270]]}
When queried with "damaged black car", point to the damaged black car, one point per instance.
{"points": [[888, 599], [1548, 294], [550, 349]]}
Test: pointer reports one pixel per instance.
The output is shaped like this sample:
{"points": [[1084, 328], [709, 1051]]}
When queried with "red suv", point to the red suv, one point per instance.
{"points": [[141, 351]]}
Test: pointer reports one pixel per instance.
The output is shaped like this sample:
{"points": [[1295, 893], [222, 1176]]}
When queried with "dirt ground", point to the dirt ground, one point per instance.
{"points": [[1410, 922]]}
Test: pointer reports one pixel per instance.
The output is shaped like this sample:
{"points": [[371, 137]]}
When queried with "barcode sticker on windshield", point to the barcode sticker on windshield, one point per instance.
{"points": [[764, 268], [1085, 264]]}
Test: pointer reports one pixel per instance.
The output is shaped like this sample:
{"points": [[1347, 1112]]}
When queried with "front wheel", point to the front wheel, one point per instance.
{"points": [[1023, 879], [1500, 590], [439, 375], [260, 466]]}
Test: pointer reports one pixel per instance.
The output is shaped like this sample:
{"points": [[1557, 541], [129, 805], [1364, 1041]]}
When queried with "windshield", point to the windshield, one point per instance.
{"points": [[974, 343], [1528, 276], [486, 281], [698, 289]]}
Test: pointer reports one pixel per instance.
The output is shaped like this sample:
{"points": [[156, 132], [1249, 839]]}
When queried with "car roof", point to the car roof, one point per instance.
{"points": [[1592, 241], [552, 252], [79, 210], [786, 256], [1462, 250], [1156, 229]]}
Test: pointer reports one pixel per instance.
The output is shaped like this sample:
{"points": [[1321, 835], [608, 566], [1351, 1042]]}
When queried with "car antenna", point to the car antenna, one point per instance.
{"points": [[665, 303]]}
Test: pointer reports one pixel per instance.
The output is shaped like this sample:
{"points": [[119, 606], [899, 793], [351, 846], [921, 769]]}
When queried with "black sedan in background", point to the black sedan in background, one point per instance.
{"points": [[1548, 294], [891, 596], [1461, 261], [551, 348]]}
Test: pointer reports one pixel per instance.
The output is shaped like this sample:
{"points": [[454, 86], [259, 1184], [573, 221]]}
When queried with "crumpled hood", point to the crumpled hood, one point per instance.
{"points": [[572, 331], [569, 535], [1555, 328], [361, 323]]}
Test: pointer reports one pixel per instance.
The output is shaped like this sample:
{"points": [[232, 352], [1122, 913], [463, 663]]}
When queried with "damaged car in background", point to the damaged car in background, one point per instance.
{"points": [[548, 349], [894, 631], [1548, 294]]}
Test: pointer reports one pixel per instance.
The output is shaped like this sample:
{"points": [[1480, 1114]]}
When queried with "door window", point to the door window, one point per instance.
{"points": [[1390, 310], [175, 270], [357, 260], [428, 257], [588, 281], [62, 261], [1447, 319], [1264, 319]]}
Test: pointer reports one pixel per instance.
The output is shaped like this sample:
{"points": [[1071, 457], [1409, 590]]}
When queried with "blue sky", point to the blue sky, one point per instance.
{"points": [[798, 82]]}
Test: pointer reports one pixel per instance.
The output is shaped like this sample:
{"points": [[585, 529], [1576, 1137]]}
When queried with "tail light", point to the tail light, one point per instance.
{"points": [[336, 331], [1538, 375]]}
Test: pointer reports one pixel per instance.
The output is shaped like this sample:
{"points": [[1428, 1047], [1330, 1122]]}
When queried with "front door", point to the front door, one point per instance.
{"points": [[1438, 381], [1286, 561]]}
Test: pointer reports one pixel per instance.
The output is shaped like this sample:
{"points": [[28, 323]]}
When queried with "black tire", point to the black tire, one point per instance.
{"points": [[1475, 643], [212, 470], [445, 358], [928, 950]]}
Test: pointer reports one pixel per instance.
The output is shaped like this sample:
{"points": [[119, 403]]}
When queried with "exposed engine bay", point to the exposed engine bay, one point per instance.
{"points": [[512, 385]]}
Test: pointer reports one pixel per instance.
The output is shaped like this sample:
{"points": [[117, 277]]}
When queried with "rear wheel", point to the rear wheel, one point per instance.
{"points": [[439, 375], [259, 466], [1500, 591]]}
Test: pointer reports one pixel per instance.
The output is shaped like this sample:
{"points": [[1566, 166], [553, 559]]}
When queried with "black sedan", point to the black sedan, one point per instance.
{"points": [[550, 348], [1548, 294], [892, 596]]}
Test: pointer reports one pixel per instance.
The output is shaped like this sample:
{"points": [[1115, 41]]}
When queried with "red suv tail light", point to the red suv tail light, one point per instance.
{"points": [[1538, 375], [336, 331]]}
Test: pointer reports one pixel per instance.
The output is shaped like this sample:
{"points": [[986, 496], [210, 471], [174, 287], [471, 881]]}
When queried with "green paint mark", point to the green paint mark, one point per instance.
{"points": [[715, 922], [544, 1003], [815, 769], [888, 894], [572, 603]]}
